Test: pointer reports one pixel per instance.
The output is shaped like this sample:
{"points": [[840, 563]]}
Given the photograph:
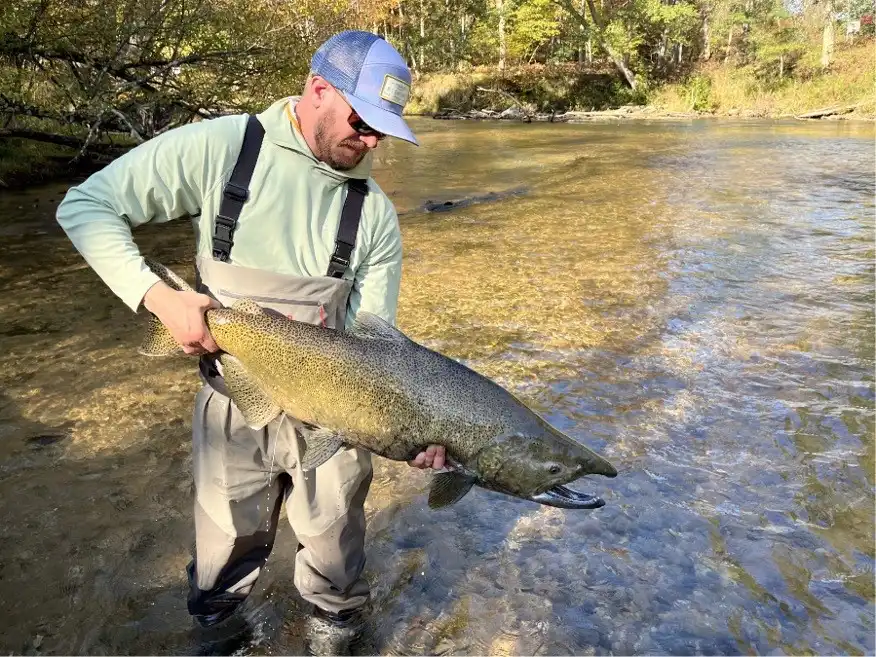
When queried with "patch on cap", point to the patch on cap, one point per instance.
{"points": [[395, 90]]}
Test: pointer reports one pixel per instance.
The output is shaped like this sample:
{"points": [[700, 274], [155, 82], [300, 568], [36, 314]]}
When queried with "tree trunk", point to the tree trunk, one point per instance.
{"points": [[422, 36], [661, 53], [707, 44], [629, 76], [452, 37], [829, 38], [405, 39], [503, 49], [781, 66], [729, 45]]}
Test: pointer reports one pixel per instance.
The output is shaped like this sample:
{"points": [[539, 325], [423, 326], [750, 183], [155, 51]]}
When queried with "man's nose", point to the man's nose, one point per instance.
{"points": [[370, 141]]}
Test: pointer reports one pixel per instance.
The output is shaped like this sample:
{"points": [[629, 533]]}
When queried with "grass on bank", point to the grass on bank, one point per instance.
{"points": [[717, 88]]}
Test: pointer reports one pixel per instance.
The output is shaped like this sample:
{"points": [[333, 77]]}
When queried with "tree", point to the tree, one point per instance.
{"points": [[144, 66], [600, 32], [829, 35], [533, 24]]}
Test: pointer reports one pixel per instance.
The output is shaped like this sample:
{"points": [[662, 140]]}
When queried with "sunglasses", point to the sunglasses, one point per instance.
{"points": [[363, 128]]}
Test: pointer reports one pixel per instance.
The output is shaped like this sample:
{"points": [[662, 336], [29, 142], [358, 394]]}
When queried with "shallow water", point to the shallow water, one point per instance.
{"points": [[693, 300]]}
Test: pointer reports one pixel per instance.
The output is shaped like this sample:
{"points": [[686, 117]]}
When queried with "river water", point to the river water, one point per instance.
{"points": [[694, 300]]}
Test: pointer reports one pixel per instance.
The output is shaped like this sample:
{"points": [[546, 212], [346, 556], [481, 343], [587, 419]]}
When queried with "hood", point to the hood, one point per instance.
{"points": [[281, 128]]}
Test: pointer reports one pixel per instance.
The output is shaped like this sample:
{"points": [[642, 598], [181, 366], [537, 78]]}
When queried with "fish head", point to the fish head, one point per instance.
{"points": [[536, 464]]}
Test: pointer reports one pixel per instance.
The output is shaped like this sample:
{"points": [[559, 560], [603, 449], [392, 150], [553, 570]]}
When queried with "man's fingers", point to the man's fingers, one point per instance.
{"points": [[434, 456], [440, 457], [209, 345]]}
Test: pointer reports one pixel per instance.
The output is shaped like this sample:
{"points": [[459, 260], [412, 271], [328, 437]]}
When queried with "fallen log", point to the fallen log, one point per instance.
{"points": [[63, 140], [828, 111], [528, 111]]}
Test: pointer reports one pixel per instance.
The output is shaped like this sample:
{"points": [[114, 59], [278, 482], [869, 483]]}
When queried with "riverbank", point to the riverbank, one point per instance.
{"points": [[575, 93], [652, 113]]}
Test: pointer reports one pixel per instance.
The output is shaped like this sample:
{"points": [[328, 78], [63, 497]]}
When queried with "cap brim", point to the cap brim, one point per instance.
{"points": [[382, 120]]}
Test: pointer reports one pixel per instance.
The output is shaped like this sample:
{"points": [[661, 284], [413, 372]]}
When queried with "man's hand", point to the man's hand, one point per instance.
{"points": [[183, 315], [433, 457]]}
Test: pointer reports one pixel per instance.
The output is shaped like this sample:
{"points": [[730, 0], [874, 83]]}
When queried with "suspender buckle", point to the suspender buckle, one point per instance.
{"points": [[237, 192], [337, 266], [223, 229]]}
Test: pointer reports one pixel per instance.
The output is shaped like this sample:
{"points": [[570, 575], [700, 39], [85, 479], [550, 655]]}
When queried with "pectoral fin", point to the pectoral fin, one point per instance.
{"points": [[257, 408], [321, 446], [448, 488]]}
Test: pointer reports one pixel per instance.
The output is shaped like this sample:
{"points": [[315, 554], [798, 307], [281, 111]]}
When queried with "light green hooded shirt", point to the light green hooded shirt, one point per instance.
{"points": [[288, 225]]}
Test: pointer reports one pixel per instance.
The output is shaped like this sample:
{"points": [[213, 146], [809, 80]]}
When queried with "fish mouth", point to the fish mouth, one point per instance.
{"points": [[566, 498]]}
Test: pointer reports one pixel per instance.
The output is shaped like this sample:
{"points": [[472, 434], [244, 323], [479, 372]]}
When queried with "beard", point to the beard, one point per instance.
{"points": [[342, 156]]}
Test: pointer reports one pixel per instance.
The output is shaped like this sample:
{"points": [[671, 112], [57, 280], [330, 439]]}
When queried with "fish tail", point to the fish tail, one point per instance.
{"points": [[158, 340], [166, 275]]}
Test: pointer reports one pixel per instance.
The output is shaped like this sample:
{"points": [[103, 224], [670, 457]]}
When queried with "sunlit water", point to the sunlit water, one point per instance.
{"points": [[693, 300]]}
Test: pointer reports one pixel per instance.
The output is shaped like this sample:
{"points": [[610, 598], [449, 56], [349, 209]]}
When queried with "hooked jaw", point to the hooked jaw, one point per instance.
{"points": [[566, 498]]}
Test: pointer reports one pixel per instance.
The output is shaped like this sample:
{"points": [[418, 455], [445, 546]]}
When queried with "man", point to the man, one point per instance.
{"points": [[284, 213]]}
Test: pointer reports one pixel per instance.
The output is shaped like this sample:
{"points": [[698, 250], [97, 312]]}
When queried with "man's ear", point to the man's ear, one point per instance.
{"points": [[320, 90]]}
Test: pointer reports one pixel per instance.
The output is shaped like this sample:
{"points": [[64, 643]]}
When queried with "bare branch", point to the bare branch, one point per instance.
{"points": [[135, 133]]}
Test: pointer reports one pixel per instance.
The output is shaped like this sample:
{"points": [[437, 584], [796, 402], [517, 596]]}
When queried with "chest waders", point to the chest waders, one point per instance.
{"points": [[242, 475]]}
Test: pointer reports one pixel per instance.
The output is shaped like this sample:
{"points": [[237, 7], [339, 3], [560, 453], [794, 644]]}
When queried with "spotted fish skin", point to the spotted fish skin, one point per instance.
{"points": [[376, 389]]}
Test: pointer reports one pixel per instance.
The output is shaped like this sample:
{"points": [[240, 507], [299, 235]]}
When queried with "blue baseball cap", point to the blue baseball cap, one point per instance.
{"points": [[371, 75]]}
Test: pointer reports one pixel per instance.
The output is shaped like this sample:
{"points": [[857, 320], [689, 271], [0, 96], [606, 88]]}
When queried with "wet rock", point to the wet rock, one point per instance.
{"points": [[514, 114]]}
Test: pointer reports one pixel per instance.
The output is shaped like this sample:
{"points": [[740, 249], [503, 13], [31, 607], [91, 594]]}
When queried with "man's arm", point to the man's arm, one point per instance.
{"points": [[378, 279], [164, 179]]}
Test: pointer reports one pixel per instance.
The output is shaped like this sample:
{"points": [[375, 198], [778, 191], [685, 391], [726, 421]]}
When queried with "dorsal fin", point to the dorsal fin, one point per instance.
{"points": [[248, 307], [368, 325]]}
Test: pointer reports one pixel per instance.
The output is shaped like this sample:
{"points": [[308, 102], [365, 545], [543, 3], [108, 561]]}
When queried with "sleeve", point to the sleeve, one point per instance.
{"points": [[158, 181], [378, 279]]}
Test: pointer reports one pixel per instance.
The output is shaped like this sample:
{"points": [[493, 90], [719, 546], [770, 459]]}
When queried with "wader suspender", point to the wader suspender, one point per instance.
{"points": [[236, 193]]}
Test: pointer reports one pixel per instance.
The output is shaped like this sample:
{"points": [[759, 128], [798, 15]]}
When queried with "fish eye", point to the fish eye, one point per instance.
{"points": [[554, 469]]}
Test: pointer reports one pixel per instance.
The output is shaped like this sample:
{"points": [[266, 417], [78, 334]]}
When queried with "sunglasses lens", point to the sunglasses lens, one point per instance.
{"points": [[364, 129]]}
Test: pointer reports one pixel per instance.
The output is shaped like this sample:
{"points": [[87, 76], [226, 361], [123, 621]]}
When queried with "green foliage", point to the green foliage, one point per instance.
{"points": [[141, 66], [533, 24], [698, 91]]}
